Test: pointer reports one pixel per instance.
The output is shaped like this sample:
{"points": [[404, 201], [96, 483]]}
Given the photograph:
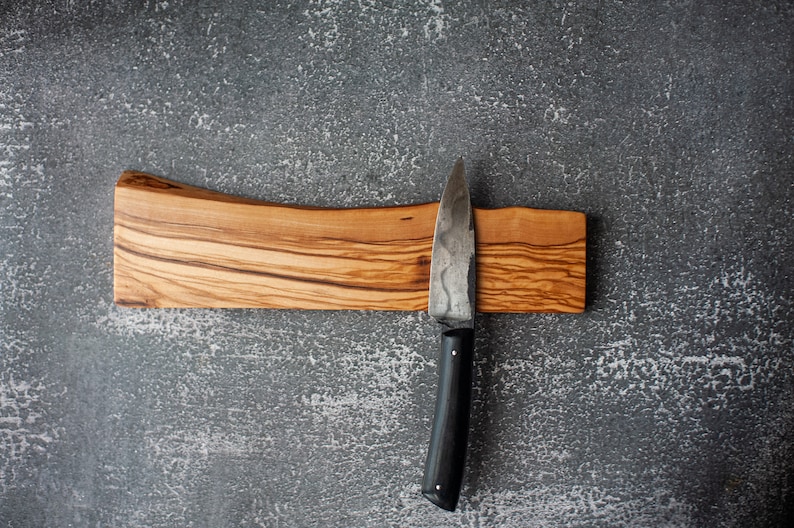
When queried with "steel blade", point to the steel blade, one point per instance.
{"points": [[452, 272]]}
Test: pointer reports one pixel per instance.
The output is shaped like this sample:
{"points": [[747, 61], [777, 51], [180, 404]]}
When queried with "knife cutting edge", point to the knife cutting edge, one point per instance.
{"points": [[451, 302]]}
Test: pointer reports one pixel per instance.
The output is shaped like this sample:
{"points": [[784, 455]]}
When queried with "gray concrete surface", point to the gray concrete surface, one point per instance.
{"points": [[669, 402]]}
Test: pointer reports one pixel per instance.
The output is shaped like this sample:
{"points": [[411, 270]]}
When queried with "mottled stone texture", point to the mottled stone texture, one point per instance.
{"points": [[669, 402]]}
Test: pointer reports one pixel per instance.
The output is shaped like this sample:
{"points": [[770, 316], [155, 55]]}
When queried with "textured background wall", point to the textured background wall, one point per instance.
{"points": [[669, 402]]}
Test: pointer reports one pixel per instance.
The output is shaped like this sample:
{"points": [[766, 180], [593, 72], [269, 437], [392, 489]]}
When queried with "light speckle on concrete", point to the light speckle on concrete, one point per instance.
{"points": [[669, 402]]}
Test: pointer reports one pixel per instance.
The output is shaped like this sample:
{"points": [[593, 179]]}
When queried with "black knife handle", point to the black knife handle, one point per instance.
{"points": [[447, 453]]}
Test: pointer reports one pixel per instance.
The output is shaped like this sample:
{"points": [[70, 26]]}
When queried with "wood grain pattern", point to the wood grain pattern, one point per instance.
{"points": [[181, 246]]}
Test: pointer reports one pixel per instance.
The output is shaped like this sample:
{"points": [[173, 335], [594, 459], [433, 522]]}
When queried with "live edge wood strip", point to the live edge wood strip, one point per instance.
{"points": [[182, 246]]}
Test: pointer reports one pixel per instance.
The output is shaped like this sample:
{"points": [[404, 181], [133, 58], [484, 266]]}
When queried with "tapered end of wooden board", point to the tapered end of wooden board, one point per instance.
{"points": [[181, 246]]}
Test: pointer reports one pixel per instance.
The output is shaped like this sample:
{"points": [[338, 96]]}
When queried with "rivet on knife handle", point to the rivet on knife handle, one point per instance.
{"points": [[451, 302]]}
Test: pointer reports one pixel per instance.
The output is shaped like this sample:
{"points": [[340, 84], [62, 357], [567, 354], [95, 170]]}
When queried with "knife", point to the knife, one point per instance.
{"points": [[451, 303]]}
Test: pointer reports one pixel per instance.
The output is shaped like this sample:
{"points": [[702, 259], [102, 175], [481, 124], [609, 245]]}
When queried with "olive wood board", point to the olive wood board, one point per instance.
{"points": [[178, 246]]}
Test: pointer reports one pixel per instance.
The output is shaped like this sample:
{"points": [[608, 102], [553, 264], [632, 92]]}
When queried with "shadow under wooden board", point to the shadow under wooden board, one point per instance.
{"points": [[178, 246]]}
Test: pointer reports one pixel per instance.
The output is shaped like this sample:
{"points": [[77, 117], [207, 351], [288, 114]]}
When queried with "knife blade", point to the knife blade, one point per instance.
{"points": [[451, 302]]}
